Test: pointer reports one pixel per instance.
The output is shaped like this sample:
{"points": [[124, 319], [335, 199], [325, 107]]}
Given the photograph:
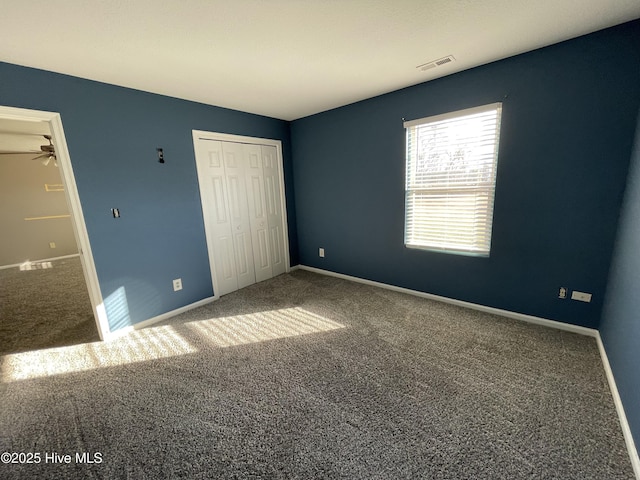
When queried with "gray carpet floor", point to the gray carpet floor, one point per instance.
{"points": [[306, 376], [45, 307]]}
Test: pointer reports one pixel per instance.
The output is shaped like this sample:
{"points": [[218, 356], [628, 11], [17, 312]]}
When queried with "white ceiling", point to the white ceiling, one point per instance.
{"points": [[285, 58], [19, 135]]}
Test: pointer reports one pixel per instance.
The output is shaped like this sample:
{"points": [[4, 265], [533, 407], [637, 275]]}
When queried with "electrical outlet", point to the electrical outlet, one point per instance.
{"points": [[52, 244], [581, 296], [321, 252], [177, 284], [562, 293]]}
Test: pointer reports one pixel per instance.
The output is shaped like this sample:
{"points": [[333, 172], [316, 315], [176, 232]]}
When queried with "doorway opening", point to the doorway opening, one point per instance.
{"points": [[55, 267]]}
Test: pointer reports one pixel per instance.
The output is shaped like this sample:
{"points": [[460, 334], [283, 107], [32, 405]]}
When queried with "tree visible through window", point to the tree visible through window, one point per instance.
{"points": [[450, 180]]}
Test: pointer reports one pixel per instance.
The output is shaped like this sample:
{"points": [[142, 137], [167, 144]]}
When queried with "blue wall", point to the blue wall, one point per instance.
{"points": [[112, 135], [569, 116], [568, 121], [620, 326]]}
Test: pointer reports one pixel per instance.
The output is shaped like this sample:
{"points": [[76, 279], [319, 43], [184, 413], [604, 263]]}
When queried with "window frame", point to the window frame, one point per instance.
{"points": [[487, 189]]}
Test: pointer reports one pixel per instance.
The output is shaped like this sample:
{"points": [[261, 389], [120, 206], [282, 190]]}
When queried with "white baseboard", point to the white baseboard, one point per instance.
{"points": [[53, 259], [159, 318], [591, 332], [626, 430]]}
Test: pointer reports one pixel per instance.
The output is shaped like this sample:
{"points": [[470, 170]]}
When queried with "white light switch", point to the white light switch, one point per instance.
{"points": [[321, 252]]}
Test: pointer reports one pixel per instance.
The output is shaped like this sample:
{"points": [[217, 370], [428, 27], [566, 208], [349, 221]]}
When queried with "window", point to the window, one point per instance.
{"points": [[451, 179]]}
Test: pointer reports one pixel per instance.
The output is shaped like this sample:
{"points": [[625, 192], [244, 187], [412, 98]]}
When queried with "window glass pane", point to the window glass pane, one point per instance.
{"points": [[450, 180]]}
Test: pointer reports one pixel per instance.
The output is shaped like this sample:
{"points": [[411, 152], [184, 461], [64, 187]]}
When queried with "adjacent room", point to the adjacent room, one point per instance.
{"points": [[44, 298], [320, 239]]}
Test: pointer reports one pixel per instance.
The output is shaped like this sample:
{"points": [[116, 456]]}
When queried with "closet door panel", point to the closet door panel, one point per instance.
{"points": [[234, 166], [217, 220], [275, 216], [257, 212]]}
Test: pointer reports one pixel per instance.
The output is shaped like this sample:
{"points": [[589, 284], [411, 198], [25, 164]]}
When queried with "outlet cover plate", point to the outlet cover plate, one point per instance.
{"points": [[581, 296]]}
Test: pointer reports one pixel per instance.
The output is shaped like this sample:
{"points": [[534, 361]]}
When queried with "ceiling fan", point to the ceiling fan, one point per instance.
{"points": [[46, 154]]}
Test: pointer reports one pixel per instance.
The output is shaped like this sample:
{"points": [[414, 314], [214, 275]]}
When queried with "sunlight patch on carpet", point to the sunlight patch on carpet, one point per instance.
{"points": [[28, 265], [137, 346], [261, 326], [164, 342]]}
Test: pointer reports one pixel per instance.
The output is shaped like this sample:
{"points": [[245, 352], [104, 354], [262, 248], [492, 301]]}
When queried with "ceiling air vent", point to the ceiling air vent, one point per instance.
{"points": [[436, 63]]}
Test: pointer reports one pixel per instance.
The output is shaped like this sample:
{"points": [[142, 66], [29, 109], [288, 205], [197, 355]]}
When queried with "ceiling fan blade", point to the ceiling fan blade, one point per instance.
{"points": [[22, 152], [7, 132]]}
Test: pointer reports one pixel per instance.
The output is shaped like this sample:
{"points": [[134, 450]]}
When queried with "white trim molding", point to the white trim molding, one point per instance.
{"points": [[622, 416], [160, 318], [496, 311]]}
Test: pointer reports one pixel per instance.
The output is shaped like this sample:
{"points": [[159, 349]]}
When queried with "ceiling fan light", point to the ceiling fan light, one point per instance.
{"points": [[55, 160], [45, 161]]}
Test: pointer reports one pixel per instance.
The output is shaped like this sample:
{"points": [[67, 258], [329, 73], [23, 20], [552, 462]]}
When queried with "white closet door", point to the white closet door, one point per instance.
{"points": [[234, 167], [275, 216], [216, 215], [241, 193], [257, 212]]}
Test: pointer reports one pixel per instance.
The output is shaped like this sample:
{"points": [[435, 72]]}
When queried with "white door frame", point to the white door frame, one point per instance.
{"points": [[226, 137], [54, 122]]}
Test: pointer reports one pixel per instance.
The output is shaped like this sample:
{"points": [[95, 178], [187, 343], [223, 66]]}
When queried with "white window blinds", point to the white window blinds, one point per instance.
{"points": [[450, 180]]}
